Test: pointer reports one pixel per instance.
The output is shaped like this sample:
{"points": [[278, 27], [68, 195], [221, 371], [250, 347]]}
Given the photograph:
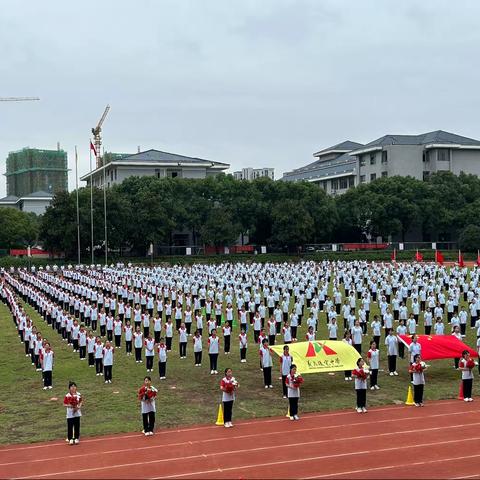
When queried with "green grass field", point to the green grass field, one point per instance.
{"points": [[188, 396]]}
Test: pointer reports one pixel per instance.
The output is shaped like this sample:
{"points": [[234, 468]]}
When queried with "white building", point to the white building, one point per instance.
{"points": [[253, 173], [153, 163], [36, 202]]}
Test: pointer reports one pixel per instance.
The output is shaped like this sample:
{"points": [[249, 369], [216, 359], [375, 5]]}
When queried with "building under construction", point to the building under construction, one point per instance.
{"points": [[31, 170]]}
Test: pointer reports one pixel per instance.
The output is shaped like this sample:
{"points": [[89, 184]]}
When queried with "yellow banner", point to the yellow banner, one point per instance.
{"points": [[321, 356]]}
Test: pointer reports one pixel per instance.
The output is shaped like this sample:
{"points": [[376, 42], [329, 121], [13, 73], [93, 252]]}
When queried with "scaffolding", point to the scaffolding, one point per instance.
{"points": [[31, 170]]}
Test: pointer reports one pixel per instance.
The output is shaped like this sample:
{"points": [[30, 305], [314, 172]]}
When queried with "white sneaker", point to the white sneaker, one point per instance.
{"points": [[364, 410], [45, 388], [346, 379], [270, 386], [395, 373], [466, 399], [359, 410], [266, 386], [216, 371], [70, 442], [77, 441], [391, 374], [377, 387], [211, 372], [372, 387], [296, 417], [292, 418]]}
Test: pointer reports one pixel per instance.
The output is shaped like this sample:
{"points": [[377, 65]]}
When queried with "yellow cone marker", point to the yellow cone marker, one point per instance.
{"points": [[409, 400], [220, 421], [288, 412]]}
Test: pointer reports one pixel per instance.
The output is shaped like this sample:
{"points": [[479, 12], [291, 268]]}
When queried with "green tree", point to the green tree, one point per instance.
{"points": [[18, 228], [469, 239]]}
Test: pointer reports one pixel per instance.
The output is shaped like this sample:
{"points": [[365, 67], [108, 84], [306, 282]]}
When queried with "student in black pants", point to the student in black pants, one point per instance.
{"points": [[73, 401], [147, 395]]}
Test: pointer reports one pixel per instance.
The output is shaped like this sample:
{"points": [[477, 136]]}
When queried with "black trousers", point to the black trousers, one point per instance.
{"points": [[94, 324], [226, 340], [103, 329], [118, 339], [162, 369], [107, 371], [463, 327], [428, 329], [157, 334], [243, 353], [467, 388], [401, 349], [418, 393], [198, 358], [149, 360], [358, 347], [47, 379], [148, 421], [138, 353], [227, 411], [128, 346], [183, 349], [392, 363], [109, 335], [284, 385], [267, 375], [373, 377], [91, 359], [361, 398], [99, 365], [213, 360], [83, 351], [73, 428], [168, 341], [293, 406]]}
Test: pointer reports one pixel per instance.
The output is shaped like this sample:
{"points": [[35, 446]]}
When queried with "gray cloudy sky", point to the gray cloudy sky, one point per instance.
{"points": [[250, 83]]}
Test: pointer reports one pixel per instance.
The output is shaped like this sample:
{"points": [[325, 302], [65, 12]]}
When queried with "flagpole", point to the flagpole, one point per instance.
{"points": [[78, 208], [91, 206], [105, 212]]}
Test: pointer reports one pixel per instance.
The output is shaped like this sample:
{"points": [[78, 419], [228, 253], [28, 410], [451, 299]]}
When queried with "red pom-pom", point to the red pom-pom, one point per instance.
{"points": [[470, 364]]}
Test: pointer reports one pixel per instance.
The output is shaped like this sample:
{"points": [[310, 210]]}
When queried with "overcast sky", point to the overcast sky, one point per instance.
{"points": [[251, 83]]}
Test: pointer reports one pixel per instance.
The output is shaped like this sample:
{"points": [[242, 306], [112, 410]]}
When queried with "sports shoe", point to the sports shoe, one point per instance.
{"points": [[372, 387], [270, 386], [377, 387], [292, 418], [216, 371], [71, 442], [76, 441], [359, 410], [395, 373], [391, 374], [364, 410], [350, 379], [296, 417], [212, 372], [266, 386], [45, 388], [284, 396]]}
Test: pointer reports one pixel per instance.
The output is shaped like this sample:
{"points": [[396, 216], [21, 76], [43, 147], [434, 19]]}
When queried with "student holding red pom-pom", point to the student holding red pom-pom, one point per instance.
{"points": [[228, 386], [360, 374], [73, 401], [293, 383], [147, 395], [416, 369], [466, 365]]}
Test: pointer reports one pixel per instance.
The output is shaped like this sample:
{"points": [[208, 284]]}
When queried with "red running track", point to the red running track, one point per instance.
{"points": [[441, 440]]}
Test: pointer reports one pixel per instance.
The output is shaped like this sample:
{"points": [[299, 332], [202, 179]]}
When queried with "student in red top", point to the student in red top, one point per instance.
{"points": [[360, 374], [147, 394], [228, 386], [293, 382], [466, 365]]}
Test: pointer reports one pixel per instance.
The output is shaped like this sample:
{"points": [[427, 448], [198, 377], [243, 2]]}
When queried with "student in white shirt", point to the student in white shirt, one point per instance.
{"points": [[374, 359], [360, 374], [213, 349], [418, 379], [391, 342], [182, 339], [293, 383], [162, 359], [228, 386], [197, 348], [98, 356], [128, 329], [243, 345], [227, 331], [286, 361], [266, 362], [47, 360], [149, 352], [466, 365], [138, 344], [108, 352], [73, 401], [147, 395]]}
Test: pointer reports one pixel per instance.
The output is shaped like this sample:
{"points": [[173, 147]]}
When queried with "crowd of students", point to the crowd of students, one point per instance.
{"points": [[142, 309]]}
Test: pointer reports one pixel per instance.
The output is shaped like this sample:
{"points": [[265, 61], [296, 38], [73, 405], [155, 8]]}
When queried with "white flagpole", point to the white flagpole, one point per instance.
{"points": [[105, 212], [78, 208], [91, 205]]}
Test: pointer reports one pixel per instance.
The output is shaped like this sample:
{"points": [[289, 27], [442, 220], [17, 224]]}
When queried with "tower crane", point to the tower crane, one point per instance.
{"points": [[18, 99], [97, 137]]}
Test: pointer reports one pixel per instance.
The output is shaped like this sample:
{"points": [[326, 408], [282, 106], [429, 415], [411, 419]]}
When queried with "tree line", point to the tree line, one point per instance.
{"points": [[219, 210]]}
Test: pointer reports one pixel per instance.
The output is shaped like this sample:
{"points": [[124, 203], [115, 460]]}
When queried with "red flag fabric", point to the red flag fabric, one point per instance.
{"points": [[418, 257], [478, 258], [437, 347], [461, 263], [92, 147], [439, 257], [394, 255]]}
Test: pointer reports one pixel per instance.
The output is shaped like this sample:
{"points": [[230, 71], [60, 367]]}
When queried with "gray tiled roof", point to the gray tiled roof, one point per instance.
{"points": [[9, 199], [346, 145], [341, 165], [159, 156], [439, 136], [39, 194]]}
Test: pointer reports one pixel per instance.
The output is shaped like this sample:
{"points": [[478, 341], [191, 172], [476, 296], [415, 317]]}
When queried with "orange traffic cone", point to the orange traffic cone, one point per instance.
{"points": [[460, 391]]}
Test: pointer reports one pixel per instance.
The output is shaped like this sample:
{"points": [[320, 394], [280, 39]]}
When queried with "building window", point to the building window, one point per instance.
{"points": [[373, 159], [115, 174], [343, 183], [373, 176], [443, 155], [384, 174], [426, 175], [335, 184], [384, 157], [111, 175], [351, 182], [362, 161], [362, 178]]}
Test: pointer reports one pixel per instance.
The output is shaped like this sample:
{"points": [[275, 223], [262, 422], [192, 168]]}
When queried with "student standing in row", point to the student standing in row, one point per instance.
{"points": [[361, 374], [243, 345], [197, 348], [108, 352], [213, 349], [138, 344], [149, 352], [466, 365], [46, 360], [391, 342], [286, 361], [99, 357], [266, 362], [418, 379], [374, 359], [162, 359]]}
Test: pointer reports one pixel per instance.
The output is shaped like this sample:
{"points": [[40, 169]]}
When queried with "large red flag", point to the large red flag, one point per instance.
{"points": [[418, 257], [439, 257], [394, 255], [461, 263], [436, 347]]}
